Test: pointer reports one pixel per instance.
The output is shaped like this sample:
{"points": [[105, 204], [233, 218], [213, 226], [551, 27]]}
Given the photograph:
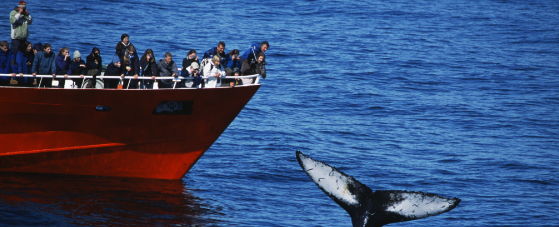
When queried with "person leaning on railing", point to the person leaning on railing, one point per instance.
{"points": [[167, 67], [63, 61], [130, 67], [214, 69], [77, 67], [44, 64], [149, 69], [113, 69], [249, 68], [24, 63], [94, 66], [7, 63]]}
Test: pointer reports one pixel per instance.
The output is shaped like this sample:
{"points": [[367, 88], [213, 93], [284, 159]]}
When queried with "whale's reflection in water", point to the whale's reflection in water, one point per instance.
{"points": [[42, 200]]}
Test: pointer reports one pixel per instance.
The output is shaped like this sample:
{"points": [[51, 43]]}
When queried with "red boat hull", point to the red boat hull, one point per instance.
{"points": [[106, 132]]}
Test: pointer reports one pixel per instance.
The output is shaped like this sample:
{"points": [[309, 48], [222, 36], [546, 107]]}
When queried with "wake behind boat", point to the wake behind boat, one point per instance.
{"points": [[150, 133]]}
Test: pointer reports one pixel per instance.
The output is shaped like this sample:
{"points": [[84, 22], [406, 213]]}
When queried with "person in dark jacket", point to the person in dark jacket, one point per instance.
{"points": [[190, 57], [77, 67], [7, 63], [232, 62], [44, 63], [253, 51], [149, 69], [248, 68], [24, 63], [130, 67], [219, 50], [123, 45], [167, 67], [113, 69], [94, 62], [63, 61], [93, 66], [37, 47]]}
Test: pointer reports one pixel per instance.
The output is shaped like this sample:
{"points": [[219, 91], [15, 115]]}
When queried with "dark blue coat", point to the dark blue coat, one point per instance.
{"points": [[211, 52], [75, 68], [251, 52], [44, 64], [22, 67], [90, 62], [134, 64], [232, 63], [62, 66], [6, 58]]}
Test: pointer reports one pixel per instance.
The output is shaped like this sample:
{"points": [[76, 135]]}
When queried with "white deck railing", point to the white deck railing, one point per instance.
{"points": [[175, 79]]}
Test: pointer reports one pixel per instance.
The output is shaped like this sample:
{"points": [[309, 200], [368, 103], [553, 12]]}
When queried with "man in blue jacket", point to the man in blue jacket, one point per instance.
{"points": [[7, 63], [253, 51], [219, 50]]}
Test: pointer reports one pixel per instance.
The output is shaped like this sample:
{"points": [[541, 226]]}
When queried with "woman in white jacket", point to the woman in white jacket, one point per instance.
{"points": [[213, 72]]}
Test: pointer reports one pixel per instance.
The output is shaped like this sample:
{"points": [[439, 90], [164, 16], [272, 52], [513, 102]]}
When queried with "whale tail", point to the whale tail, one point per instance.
{"points": [[368, 208]]}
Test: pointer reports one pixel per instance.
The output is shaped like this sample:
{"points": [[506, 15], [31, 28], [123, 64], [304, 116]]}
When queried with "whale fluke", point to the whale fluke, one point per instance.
{"points": [[368, 208]]}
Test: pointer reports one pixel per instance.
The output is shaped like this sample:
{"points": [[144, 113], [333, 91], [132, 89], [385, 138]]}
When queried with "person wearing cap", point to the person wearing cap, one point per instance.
{"points": [[190, 71], [77, 67], [19, 19], [149, 69], [113, 69]]}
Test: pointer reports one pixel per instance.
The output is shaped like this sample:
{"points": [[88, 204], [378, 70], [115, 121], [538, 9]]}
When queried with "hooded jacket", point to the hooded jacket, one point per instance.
{"points": [[19, 24]]}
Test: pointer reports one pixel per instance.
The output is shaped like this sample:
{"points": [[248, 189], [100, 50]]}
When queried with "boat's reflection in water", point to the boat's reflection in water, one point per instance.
{"points": [[74, 200]]}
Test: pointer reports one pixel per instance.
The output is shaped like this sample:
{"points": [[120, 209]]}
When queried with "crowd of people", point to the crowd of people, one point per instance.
{"points": [[39, 59]]}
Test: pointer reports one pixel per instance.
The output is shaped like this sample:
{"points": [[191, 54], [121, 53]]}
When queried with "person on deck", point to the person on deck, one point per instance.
{"points": [[24, 62], [44, 64], [254, 50], [250, 56], [7, 63], [257, 67], [123, 45], [94, 62], [77, 67], [190, 57], [113, 69], [130, 67], [167, 67], [19, 20], [63, 61], [214, 69], [149, 69], [219, 51], [232, 62]]}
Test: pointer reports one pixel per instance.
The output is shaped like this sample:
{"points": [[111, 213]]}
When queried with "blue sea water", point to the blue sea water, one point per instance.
{"points": [[457, 98]]}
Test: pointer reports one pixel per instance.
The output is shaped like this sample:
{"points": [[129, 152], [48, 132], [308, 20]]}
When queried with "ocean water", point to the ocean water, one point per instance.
{"points": [[457, 98]]}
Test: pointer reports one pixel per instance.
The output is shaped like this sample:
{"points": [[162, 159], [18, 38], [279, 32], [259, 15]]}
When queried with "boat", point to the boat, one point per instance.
{"points": [[137, 133]]}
